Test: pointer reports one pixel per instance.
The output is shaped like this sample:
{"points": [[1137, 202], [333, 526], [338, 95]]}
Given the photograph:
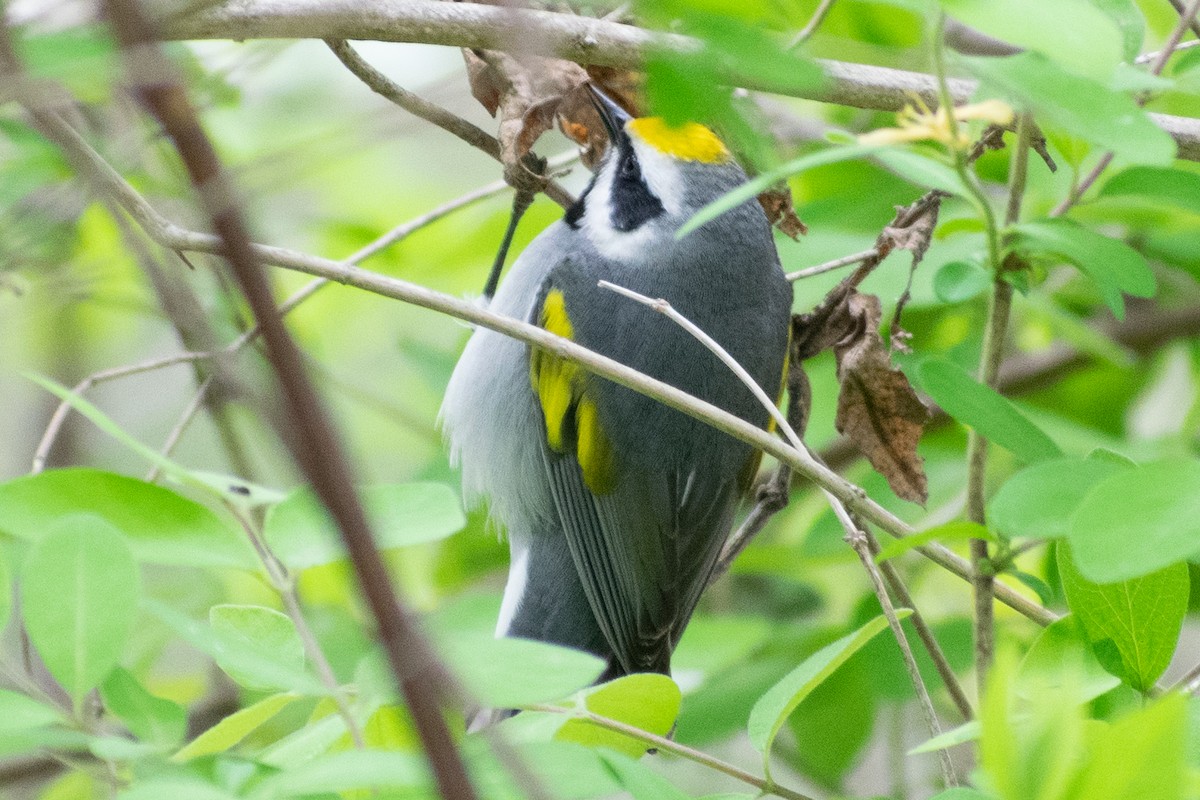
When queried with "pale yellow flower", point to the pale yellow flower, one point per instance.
{"points": [[916, 125]]}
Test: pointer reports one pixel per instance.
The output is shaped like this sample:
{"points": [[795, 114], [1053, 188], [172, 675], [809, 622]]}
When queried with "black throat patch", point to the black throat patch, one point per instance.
{"points": [[632, 202]]}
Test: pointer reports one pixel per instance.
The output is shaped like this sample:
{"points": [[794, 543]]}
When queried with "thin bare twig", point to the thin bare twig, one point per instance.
{"points": [[857, 538], [285, 586], [307, 431], [1148, 58], [764, 785], [1192, 23], [896, 583], [396, 234], [174, 237], [1187, 18], [854, 534], [431, 112], [815, 22], [837, 263]]}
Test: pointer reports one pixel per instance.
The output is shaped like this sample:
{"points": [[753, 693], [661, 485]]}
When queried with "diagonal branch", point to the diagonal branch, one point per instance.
{"points": [[431, 112], [174, 237], [305, 427]]}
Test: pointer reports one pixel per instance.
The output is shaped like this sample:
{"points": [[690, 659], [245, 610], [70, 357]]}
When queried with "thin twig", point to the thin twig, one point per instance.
{"points": [[856, 537], [190, 411], [1187, 18], [307, 431], [808, 30], [1147, 58], [1189, 682], [662, 743], [431, 112], [1178, 6], [925, 633], [285, 586], [837, 263], [60, 132], [174, 237]]}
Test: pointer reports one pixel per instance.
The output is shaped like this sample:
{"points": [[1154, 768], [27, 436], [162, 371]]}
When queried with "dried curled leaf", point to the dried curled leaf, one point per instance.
{"points": [[777, 203], [877, 407], [525, 91]]}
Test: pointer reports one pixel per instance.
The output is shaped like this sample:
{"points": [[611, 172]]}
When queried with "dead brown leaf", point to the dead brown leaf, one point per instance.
{"points": [[524, 91], [877, 407], [777, 204]]}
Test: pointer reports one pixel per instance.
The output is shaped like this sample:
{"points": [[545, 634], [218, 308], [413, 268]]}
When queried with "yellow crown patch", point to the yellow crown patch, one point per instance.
{"points": [[688, 142]]}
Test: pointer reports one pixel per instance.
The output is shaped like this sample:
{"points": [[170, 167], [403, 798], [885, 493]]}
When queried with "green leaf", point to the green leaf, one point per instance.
{"points": [[303, 745], [79, 596], [82, 57], [160, 526], [1134, 625], [640, 781], [263, 632], [1083, 107], [105, 423], [6, 585], [774, 707], [647, 701], [509, 672], [1138, 521], [984, 409], [20, 713], [1164, 185], [758, 184], [967, 732], [1129, 20], [1115, 267], [962, 793], [958, 281], [342, 772], [922, 170], [249, 659], [1062, 659], [834, 723], [152, 719], [1039, 500], [1074, 33], [301, 533], [957, 531], [1140, 755], [175, 788], [234, 728]]}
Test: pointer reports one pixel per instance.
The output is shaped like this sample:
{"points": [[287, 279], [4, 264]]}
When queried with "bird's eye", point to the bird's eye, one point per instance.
{"points": [[629, 168]]}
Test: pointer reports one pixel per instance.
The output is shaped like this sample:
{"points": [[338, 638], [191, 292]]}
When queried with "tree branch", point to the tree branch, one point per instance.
{"points": [[576, 38], [174, 237], [306, 429]]}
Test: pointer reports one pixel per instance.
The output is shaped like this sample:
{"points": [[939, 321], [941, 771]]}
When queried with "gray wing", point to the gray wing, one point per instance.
{"points": [[644, 552]]}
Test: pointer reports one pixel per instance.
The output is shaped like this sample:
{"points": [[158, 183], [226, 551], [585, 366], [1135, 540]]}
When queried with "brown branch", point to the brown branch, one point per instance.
{"points": [[431, 112], [585, 40], [305, 428], [174, 237]]}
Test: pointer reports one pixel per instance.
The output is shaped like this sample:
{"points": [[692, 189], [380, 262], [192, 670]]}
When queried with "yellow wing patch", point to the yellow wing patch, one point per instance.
{"points": [[688, 142], [560, 387]]}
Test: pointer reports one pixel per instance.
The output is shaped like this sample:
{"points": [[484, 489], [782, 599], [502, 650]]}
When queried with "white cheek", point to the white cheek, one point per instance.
{"points": [[597, 224]]}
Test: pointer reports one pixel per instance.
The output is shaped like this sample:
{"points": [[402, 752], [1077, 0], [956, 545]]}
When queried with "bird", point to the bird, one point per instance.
{"points": [[616, 506]]}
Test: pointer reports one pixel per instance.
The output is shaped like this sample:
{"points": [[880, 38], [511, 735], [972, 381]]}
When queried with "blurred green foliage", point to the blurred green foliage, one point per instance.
{"points": [[186, 674]]}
